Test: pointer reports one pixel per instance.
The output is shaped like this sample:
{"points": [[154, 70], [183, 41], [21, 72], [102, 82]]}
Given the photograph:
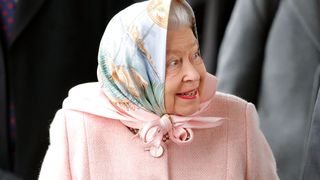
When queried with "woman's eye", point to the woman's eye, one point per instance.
{"points": [[196, 57], [173, 63]]}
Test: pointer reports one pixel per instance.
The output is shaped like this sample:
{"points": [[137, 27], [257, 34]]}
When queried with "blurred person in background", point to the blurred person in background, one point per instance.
{"points": [[47, 46], [270, 55], [311, 164]]}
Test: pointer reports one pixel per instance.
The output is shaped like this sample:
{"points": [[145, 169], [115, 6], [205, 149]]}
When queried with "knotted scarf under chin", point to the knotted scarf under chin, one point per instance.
{"points": [[178, 128], [90, 98]]}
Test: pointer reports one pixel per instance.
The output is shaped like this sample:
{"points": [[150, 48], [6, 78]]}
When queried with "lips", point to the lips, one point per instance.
{"points": [[188, 95]]}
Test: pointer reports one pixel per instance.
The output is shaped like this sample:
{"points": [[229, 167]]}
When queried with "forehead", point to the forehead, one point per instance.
{"points": [[181, 38]]}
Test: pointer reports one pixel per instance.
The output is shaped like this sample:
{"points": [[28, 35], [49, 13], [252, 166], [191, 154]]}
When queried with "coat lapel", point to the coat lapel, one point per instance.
{"points": [[24, 13]]}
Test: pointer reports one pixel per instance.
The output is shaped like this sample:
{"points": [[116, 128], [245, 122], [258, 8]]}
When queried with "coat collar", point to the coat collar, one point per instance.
{"points": [[26, 10]]}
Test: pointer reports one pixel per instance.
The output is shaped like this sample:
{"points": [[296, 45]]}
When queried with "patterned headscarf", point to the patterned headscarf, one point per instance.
{"points": [[131, 70], [132, 56]]}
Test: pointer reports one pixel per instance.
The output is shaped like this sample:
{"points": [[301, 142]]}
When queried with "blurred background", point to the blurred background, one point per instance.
{"points": [[266, 52]]}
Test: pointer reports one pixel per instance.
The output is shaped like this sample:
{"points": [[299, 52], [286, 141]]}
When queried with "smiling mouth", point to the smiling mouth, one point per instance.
{"points": [[189, 94]]}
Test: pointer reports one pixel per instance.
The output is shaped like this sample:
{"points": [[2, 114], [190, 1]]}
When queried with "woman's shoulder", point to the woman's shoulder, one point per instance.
{"points": [[228, 103], [232, 99], [79, 126], [74, 118], [233, 108]]}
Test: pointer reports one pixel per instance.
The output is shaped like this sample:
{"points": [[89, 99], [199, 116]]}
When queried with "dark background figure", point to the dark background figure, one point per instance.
{"points": [[53, 46], [270, 56], [311, 165]]}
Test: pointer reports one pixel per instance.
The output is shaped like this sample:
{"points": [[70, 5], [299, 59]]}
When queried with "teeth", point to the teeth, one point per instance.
{"points": [[192, 93]]}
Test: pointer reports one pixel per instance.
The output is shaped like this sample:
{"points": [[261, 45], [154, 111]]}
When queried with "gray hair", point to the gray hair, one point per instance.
{"points": [[180, 15]]}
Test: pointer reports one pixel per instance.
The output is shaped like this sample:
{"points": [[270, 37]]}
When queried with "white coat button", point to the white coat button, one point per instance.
{"points": [[156, 151]]}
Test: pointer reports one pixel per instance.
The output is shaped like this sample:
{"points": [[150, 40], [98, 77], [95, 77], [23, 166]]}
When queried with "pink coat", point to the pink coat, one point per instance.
{"points": [[84, 144]]}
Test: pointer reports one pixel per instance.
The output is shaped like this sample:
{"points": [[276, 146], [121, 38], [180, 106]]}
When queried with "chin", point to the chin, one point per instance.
{"points": [[186, 111]]}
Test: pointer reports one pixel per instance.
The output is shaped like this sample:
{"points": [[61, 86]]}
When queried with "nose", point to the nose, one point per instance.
{"points": [[190, 73]]}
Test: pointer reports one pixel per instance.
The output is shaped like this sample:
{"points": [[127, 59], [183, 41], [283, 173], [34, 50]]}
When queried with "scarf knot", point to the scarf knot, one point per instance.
{"points": [[178, 129]]}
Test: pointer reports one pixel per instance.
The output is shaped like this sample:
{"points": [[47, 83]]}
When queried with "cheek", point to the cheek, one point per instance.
{"points": [[171, 88], [203, 74]]}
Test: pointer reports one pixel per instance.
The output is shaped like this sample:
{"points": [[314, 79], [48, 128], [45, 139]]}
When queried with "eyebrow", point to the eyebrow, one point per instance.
{"points": [[195, 43]]}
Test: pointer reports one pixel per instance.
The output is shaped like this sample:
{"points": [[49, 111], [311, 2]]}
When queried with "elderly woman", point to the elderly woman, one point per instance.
{"points": [[154, 113]]}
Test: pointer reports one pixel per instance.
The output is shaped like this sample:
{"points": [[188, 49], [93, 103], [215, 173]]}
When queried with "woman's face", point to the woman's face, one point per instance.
{"points": [[185, 72]]}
